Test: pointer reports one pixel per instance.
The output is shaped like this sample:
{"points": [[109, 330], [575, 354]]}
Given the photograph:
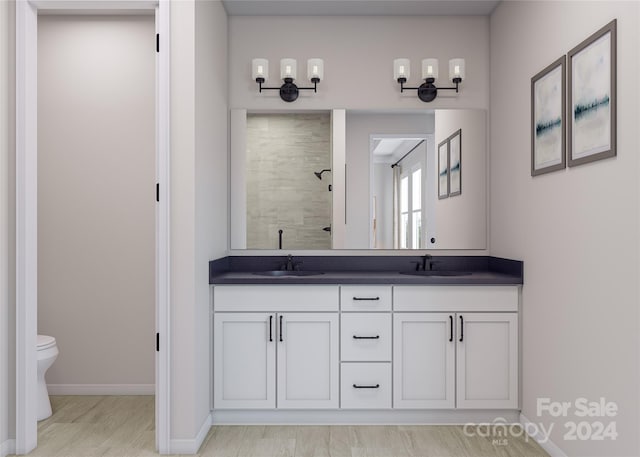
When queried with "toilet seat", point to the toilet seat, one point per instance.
{"points": [[45, 342]]}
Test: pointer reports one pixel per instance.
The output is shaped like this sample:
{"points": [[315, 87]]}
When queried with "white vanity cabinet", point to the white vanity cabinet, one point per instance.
{"points": [[365, 341], [262, 348], [465, 357], [424, 361], [244, 360], [346, 349], [307, 374]]}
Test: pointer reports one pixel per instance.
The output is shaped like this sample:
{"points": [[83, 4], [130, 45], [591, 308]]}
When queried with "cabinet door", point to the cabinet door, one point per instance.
{"points": [[487, 360], [244, 357], [308, 360], [423, 360]]}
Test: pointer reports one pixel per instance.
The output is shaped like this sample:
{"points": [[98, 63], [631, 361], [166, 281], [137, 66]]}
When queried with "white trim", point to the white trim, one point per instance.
{"points": [[549, 446], [8, 447], [339, 178], [26, 226], [163, 272], [26, 210], [359, 417], [93, 5], [185, 446], [101, 389], [238, 180]]}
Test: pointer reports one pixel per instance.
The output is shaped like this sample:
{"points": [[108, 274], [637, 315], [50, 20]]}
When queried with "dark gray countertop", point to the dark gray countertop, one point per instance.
{"points": [[482, 270]]}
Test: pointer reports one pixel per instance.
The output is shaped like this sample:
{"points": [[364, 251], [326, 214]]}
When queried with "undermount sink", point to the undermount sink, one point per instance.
{"points": [[436, 273], [287, 274]]}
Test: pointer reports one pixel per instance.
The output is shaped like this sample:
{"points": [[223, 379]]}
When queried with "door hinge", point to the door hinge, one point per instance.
{"points": [[157, 42], [157, 192], [157, 342]]}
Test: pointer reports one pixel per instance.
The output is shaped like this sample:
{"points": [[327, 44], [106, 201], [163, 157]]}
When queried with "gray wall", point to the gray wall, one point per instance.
{"points": [[7, 222], [576, 229], [358, 53], [461, 220], [211, 184], [96, 209], [283, 152], [199, 183]]}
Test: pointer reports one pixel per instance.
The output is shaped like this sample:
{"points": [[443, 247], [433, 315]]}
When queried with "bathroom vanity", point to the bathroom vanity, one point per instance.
{"points": [[334, 346]]}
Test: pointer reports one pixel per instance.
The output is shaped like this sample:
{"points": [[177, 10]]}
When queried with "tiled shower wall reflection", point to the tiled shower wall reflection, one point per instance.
{"points": [[283, 152]]}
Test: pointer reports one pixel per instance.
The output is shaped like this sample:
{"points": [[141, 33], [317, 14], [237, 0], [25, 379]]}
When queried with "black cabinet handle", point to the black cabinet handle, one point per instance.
{"points": [[366, 298], [450, 328], [270, 328], [281, 340], [356, 386], [355, 337], [461, 329]]}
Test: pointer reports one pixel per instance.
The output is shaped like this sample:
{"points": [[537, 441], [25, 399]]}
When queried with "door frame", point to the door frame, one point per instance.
{"points": [[27, 207]]}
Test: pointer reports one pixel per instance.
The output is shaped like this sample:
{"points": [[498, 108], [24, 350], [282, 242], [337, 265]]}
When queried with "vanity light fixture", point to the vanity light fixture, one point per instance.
{"points": [[427, 91], [288, 68]]}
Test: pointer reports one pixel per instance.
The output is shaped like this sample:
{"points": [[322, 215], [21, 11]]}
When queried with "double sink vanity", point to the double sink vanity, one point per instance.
{"points": [[332, 339], [368, 338]]}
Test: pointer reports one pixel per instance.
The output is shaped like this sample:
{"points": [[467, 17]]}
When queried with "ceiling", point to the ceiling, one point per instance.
{"points": [[360, 7], [389, 150]]}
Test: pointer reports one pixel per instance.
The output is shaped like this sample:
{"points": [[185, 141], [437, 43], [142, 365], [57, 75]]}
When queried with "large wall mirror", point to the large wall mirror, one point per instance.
{"points": [[359, 180]]}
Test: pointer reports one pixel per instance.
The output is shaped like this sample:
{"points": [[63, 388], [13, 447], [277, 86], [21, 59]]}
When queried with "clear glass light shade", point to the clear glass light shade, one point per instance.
{"points": [[430, 68], [315, 69], [401, 69], [456, 69], [288, 68], [260, 68]]}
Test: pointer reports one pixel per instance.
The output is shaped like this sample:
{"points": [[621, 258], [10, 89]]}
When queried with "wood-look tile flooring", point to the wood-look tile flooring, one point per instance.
{"points": [[123, 426]]}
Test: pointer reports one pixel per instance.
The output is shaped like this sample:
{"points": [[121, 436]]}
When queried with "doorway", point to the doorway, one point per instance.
{"points": [[85, 215]]}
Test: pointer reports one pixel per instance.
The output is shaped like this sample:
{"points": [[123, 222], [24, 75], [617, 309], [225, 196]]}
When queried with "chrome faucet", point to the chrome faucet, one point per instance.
{"points": [[425, 264]]}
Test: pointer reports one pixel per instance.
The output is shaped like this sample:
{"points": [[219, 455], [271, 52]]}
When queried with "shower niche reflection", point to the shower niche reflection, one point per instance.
{"points": [[288, 181]]}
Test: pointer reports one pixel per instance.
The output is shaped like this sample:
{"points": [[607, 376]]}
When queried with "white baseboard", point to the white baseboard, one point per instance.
{"points": [[7, 447], [552, 449], [360, 417], [191, 446], [101, 389]]}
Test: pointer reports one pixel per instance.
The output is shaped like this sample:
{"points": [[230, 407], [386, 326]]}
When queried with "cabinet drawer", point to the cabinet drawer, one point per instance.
{"points": [[366, 337], [455, 298], [366, 386], [365, 298], [274, 298]]}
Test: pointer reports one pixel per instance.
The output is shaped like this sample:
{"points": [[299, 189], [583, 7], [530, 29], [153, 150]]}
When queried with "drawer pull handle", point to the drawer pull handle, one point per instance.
{"points": [[366, 298], [356, 386], [461, 329], [356, 337], [270, 328], [450, 328], [281, 340]]}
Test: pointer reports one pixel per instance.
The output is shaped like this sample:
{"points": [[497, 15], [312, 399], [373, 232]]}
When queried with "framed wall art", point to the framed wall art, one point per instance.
{"points": [[455, 163], [443, 169], [548, 126], [592, 97]]}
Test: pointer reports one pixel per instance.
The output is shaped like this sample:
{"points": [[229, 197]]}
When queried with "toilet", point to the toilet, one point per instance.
{"points": [[47, 353]]}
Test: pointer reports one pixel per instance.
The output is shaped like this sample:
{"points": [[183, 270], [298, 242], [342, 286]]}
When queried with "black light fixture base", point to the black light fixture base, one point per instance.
{"points": [[289, 91], [427, 92]]}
